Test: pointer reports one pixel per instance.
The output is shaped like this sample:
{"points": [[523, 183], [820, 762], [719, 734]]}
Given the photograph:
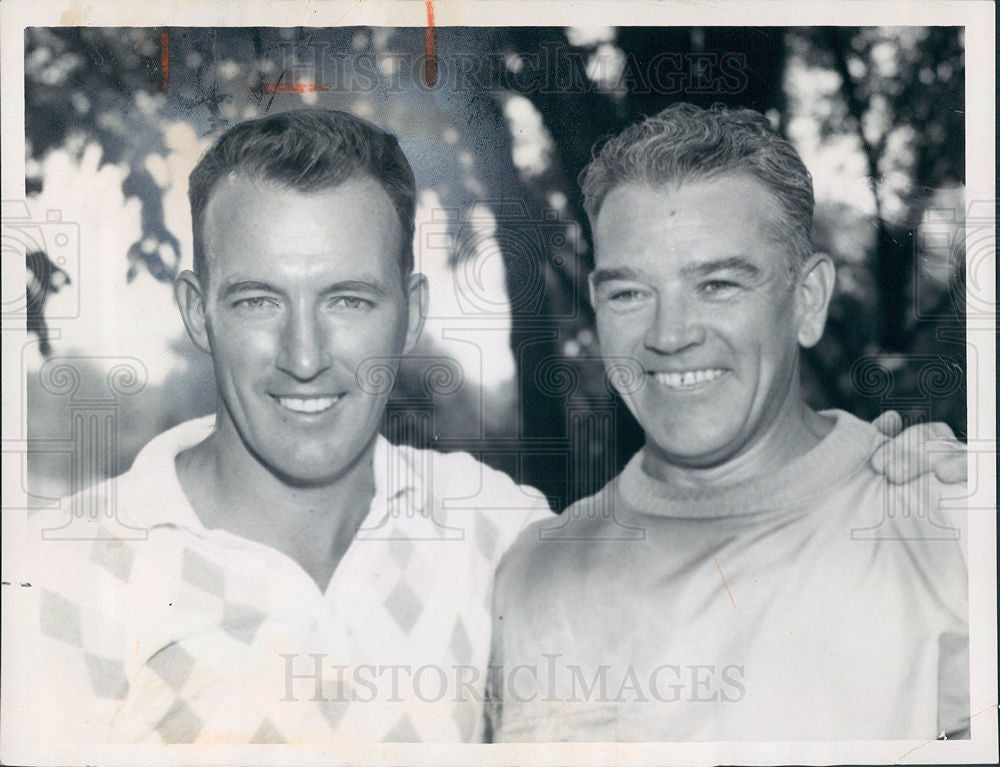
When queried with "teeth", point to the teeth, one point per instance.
{"points": [[307, 405], [687, 378]]}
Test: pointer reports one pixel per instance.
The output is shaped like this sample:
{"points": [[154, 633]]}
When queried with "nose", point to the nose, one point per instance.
{"points": [[674, 328], [305, 347]]}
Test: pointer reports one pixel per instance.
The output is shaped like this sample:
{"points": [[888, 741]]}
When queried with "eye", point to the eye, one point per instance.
{"points": [[255, 304], [625, 295], [719, 287], [624, 298], [351, 303]]}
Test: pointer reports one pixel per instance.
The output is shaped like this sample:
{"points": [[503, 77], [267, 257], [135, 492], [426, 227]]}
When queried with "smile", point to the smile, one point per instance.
{"points": [[689, 378], [306, 404]]}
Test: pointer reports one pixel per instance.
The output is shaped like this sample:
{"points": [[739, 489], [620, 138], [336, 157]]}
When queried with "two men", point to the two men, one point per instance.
{"points": [[779, 588], [302, 580]]}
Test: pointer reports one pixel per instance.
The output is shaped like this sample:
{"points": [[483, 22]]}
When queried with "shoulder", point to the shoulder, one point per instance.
{"points": [[549, 555], [916, 531], [467, 493], [459, 475], [104, 525], [911, 511]]}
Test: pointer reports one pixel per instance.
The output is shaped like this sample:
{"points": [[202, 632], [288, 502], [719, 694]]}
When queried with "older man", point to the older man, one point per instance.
{"points": [[757, 579]]}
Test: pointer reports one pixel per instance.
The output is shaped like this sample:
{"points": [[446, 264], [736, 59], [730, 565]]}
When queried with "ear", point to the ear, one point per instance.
{"points": [[416, 299], [813, 291], [189, 293]]}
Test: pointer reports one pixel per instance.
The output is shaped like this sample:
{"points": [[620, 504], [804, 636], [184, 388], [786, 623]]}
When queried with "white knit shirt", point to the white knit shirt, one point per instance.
{"points": [[180, 634]]}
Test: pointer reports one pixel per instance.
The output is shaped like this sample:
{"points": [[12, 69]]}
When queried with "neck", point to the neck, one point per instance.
{"points": [[231, 490], [794, 430]]}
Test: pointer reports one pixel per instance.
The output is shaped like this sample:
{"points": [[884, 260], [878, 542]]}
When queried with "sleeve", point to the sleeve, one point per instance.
{"points": [[519, 704], [934, 526], [494, 507], [951, 513], [522, 506], [493, 705], [953, 686]]}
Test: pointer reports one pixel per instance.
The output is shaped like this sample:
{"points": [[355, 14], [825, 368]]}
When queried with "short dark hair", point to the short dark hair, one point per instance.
{"points": [[306, 150], [685, 142]]}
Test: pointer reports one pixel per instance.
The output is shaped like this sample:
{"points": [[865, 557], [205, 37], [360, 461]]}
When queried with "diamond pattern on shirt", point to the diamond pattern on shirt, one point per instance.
{"points": [[113, 555], [199, 572], [107, 677], [401, 548], [242, 621], [60, 618], [465, 717], [404, 606], [333, 710], [173, 665], [487, 535], [267, 733], [179, 725], [402, 732], [460, 645], [223, 615]]}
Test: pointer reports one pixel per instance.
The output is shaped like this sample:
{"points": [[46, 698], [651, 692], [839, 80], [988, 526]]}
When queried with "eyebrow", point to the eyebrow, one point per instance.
{"points": [[247, 285], [372, 287], [732, 264], [600, 276]]}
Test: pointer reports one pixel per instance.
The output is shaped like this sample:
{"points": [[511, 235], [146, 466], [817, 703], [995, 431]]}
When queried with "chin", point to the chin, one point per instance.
{"points": [[705, 451], [305, 467], [300, 475]]}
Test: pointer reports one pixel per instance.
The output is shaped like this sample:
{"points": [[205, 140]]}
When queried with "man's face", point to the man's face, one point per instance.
{"points": [[689, 283], [301, 289]]}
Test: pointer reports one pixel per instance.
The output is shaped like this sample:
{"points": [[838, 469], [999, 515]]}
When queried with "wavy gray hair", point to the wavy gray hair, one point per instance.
{"points": [[685, 142]]}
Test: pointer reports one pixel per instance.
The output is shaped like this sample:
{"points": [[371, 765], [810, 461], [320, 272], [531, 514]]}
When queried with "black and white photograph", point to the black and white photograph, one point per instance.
{"points": [[499, 383]]}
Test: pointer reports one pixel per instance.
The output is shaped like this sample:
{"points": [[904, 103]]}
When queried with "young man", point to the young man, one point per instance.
{"points": [[758, 580], [303, 580]]}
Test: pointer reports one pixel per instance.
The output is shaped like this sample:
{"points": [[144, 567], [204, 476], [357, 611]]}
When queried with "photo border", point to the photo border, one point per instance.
{"points": [[978, 19]]}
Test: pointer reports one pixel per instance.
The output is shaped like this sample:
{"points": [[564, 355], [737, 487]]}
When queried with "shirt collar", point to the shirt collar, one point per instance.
{"points": [[840, 454], [400, 487], [152, 495]]}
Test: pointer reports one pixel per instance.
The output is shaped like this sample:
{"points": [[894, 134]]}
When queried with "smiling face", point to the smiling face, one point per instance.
{"points": [[689, 282], [302, 288]]}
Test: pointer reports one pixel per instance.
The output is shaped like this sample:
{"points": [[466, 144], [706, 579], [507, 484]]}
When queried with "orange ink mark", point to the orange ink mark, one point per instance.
{"points": [[430, 65], [719, 568], [164, 59], [280, 87]]}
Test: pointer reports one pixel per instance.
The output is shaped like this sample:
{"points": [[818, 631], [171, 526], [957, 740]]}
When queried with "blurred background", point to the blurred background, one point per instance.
{"points": [[497, 124]]}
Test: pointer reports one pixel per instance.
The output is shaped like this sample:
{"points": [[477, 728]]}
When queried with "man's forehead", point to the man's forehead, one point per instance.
{"points": [[701, 220], [260, 229], [238, 189], [265, 209], [685, 202]]}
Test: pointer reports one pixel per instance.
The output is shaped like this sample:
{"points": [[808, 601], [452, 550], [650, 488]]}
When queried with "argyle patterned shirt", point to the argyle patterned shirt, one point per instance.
{"points": [[175, 633]]}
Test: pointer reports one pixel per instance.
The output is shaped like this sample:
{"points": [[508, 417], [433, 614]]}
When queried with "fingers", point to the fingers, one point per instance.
{"points": [[900, 463], [889, 423], [952, 468], [920, 449]]}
